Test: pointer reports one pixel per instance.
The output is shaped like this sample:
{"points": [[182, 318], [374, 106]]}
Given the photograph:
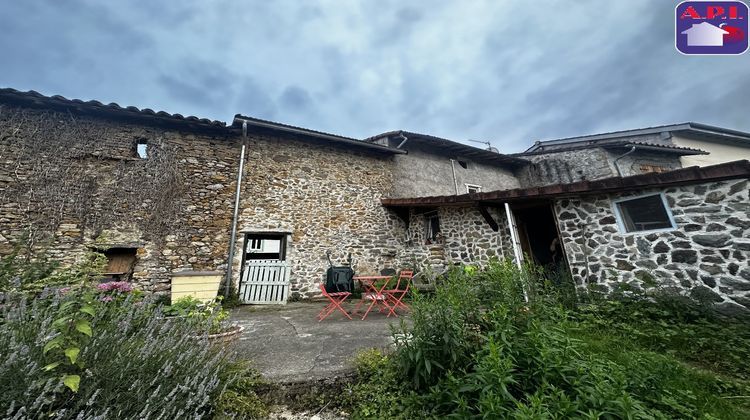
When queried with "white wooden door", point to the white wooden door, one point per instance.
{"points": [[265, 282]]}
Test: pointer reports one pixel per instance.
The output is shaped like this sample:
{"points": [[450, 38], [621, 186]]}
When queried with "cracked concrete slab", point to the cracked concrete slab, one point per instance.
{"points": [[288, 344]]}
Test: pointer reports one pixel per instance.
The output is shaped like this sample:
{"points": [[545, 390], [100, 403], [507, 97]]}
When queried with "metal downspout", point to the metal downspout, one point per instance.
{"points": [[403, 141], [453, 169], [235, 215], [619, 172]]}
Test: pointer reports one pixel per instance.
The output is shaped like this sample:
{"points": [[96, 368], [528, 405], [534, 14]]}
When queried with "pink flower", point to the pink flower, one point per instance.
{"points": [[117, 286], [106, 298]]}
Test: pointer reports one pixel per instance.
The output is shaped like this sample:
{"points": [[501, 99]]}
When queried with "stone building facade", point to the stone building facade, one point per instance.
{"points": [[73, 183], [160, 189], [707, 254], [703, 250]]}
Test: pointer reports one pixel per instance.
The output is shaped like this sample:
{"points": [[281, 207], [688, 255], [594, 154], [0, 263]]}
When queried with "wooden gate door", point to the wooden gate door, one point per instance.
{"points": [[265, 282]]}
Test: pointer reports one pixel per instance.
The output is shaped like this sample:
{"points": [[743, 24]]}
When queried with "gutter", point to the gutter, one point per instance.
{"points": [[331, 137]]}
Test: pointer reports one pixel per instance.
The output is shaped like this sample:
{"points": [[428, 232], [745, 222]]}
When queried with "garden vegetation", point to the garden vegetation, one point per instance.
{"points": [[478, 349], [75, 348]]}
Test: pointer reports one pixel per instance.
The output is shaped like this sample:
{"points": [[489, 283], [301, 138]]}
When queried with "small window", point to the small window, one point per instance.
{"points": [[471, 189], [432, 227], [464, 164], [141, 149], [644, 214], [120, 264], [265, 246]]}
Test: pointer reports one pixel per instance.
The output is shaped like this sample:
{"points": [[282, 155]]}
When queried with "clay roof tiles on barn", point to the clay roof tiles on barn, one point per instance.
{"points": [[93, 107], [691, 175], [147, 115]]}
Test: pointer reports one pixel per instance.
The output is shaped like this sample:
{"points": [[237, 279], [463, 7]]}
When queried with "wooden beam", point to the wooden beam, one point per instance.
{"points": [[488, 218]]}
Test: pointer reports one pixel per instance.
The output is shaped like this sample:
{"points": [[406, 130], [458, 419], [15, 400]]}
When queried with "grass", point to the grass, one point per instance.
{"points": [[478, 349]]}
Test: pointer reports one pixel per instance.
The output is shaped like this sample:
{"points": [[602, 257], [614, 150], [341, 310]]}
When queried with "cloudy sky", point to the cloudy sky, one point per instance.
{"points": [[509, 72]]}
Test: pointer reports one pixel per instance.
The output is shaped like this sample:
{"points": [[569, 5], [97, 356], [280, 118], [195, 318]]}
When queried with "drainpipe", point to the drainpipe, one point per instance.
{"points": [[233, 238], [403, 141], [619, 172], [453, 169]]}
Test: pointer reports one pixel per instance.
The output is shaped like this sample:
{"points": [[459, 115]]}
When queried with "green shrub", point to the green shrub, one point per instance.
{"points": [[210, 316], [510, 343]]}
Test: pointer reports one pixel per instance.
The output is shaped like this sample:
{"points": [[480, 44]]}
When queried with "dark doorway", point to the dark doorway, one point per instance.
{"points": [[539, 236]]}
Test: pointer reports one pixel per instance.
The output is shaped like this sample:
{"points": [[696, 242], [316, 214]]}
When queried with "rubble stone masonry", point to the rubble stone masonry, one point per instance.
{"points": [[71, 184], [706, 256]]}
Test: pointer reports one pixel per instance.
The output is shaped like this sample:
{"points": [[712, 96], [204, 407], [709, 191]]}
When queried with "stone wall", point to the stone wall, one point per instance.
{"points": [[327, 199], [707, 256], [466, 238], [72, 183], [565, 167]]}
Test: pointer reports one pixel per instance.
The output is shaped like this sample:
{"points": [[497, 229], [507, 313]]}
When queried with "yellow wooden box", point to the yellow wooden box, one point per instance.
{"points": [[203, 285]]}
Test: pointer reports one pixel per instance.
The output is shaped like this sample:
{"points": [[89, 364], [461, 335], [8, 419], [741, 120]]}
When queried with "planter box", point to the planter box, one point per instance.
{"points": [[203, 285]]}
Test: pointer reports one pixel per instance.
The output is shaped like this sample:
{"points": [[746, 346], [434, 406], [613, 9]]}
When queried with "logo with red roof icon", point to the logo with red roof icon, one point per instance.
{"points": [[711, 28]]}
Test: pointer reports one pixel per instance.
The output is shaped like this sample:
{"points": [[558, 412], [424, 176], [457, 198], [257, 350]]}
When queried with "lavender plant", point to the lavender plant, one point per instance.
{"points": [[136, 365]]}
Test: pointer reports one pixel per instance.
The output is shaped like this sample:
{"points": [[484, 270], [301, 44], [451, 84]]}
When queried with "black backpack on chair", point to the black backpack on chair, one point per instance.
{"points": [[339, 279]]}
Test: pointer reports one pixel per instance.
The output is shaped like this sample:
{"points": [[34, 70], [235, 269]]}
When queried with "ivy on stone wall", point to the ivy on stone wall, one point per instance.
{"points": [[73, 176]]}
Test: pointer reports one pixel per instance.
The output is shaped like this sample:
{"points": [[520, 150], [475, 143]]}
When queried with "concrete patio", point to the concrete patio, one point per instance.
{"points": [[288, 344]]}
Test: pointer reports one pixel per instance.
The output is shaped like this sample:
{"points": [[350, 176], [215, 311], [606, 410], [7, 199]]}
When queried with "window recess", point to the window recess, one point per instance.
{"points": [[647, 213]]}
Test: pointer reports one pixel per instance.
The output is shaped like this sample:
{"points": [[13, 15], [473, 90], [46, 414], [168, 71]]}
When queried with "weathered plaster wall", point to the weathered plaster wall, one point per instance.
{"points": [[466, 238], [631, 164], [71, 182], [565, 167], [423, 172], [707, 256], [718, 152]]}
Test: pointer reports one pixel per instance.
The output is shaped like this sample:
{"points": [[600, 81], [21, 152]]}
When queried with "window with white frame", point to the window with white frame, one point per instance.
{"points": [[471, 188], [646, 213]]}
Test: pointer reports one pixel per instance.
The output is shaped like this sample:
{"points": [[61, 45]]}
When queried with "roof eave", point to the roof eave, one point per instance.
{"points": [[691, 175], [240, 119]]}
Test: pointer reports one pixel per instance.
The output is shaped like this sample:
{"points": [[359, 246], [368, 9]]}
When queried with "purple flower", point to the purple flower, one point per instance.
{"points": [[116, 286], [106, 298]]}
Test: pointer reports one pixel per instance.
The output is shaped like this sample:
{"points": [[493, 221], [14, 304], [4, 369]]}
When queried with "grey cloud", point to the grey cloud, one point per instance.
{"points": [[295, 98], [510, 72]]}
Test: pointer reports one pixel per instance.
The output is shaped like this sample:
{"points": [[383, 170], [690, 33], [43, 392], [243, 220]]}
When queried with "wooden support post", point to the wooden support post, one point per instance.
{"points": [[488, 218]]}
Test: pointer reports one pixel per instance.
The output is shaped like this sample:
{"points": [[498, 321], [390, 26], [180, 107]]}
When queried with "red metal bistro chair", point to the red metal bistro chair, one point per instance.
{"points": [[396, 295], [336, 299]]}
